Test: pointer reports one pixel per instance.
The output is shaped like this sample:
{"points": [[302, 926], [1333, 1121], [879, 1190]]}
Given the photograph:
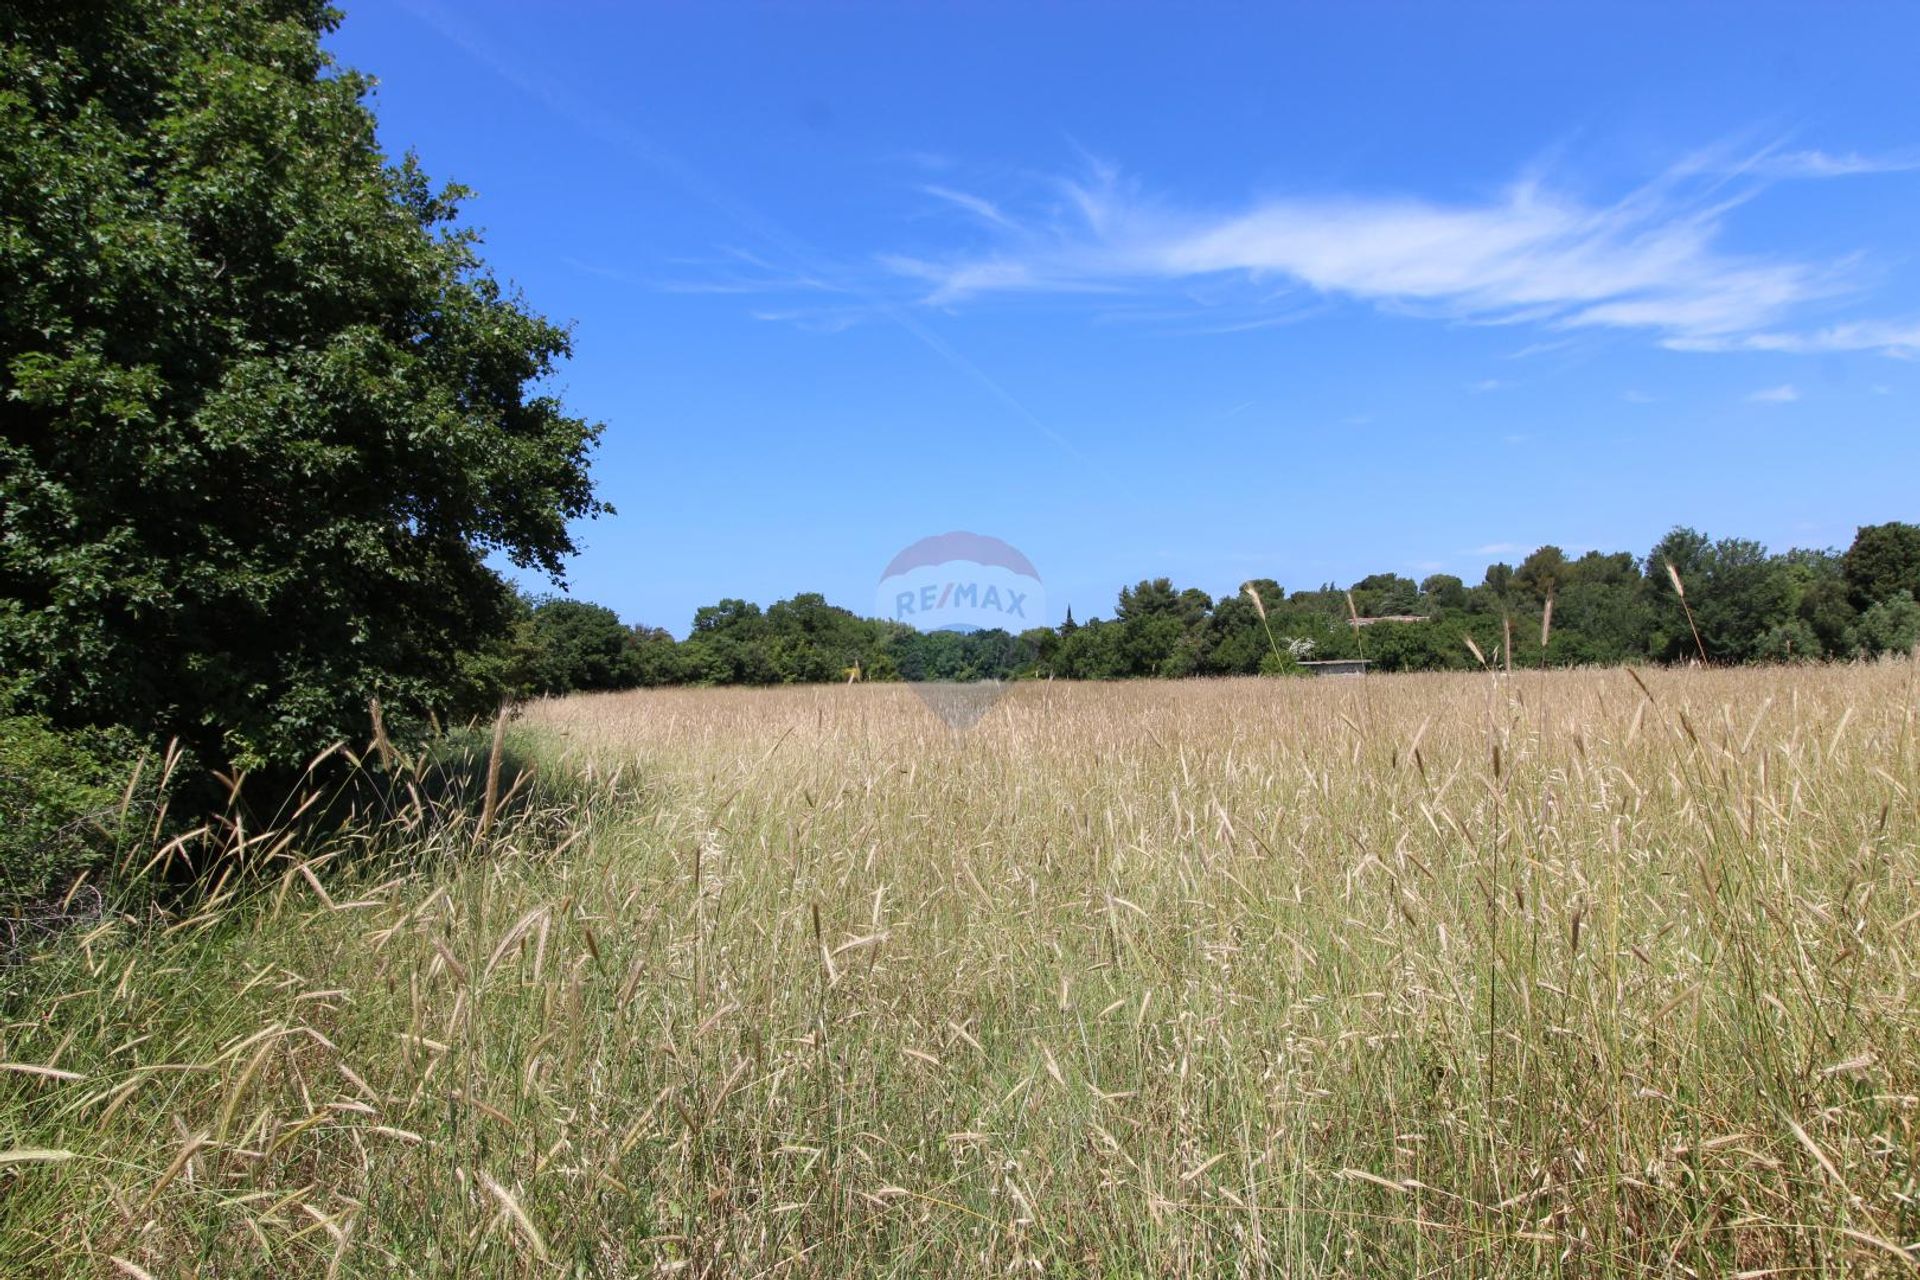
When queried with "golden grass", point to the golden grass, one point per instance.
{"points": [[1588, 973]]}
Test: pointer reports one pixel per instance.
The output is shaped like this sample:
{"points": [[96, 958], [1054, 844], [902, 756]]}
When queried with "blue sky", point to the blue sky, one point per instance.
{"points": [[1207, 292]]}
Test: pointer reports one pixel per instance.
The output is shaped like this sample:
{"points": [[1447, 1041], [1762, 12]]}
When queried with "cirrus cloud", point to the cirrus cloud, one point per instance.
{"points": [[1653, 261]]}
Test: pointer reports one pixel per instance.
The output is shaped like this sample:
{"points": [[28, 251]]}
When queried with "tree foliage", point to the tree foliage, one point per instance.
{"points": [[576, 645], [266, 412], [1608, 607], [1883, 560]]}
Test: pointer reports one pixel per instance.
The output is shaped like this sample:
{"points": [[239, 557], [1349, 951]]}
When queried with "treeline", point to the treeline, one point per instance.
{"points": [[1740, 604]]}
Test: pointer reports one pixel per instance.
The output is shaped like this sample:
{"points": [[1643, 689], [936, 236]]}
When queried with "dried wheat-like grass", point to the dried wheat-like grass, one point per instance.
{"points": [[1590, 973]]}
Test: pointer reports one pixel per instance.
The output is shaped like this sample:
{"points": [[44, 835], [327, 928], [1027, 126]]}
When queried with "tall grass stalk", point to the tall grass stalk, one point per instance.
{"points": [[1211, 977]]}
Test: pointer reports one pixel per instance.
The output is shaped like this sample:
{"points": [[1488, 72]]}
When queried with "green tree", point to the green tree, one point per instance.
{"points": [[1092, 652], [580, 646], [267, 412], [1892, 626], [1237, 640], [1600, 610], [1738, 594], [1496, 591], [1163, 630], [1821, 603], [656, 658], [1686, 552], [1414, 646], [1789, 641], [1542, 574], [1443, 593], [1884, 559], [1149, 598], [1038, 646], [728, 645], [1382, 595]]}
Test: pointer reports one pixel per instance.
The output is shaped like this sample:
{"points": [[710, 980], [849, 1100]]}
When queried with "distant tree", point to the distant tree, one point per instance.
{"points": [[1818, 600], [811, 641], [1038, 647], [1236, 640], [1442, 592], [1381, 595], [1271, 593], [1495, 592], [728, 645], [1884, 559], [741, 618], [267, 413], [1737, 592], [1414, 646], [990, 654], [1092, 652], [656, 658], [1789, 641], [1686, 552], [1149, 598], [580, 646], [1609, 607], [1826, 606], [1892, 626], [1162, 629], [1541, 574], [1600, 612]]}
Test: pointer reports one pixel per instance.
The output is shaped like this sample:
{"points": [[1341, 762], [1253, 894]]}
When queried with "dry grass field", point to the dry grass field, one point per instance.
{"points": [[1583, 974]]}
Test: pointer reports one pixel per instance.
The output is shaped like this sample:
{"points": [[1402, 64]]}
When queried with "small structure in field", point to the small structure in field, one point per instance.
{"points": [[1337, 667]]}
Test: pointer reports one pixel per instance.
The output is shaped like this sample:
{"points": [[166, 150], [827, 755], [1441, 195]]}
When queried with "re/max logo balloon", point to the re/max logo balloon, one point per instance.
{"points": [[962, 582], [969, 596]]}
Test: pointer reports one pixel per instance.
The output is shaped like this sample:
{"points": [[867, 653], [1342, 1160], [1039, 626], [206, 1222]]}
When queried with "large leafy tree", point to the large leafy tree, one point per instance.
{"points": [[1600, 612], [266, 413], [1883, 560], [1542, 574], [1738, 594], [578, 645]]}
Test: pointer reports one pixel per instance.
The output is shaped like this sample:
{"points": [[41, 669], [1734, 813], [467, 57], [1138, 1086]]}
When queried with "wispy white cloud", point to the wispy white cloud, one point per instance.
{"points": [[1497, 549], [980, 207], [1633, 395], [1540, 349], [1893, 338], [1785, 393], [1485, 385], [1827, 164], [742, 271], [1652, 261], [815, 319]]}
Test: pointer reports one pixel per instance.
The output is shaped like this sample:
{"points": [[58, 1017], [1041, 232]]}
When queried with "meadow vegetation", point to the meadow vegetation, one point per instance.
{"points": [[1584, 973], [1551, 610]]}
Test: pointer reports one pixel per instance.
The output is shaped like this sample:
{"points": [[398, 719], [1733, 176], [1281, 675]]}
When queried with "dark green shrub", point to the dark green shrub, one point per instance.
{"points": [[66, 809]]}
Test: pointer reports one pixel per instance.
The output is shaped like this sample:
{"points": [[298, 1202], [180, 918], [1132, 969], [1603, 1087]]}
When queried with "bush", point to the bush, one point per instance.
{"points": [[1792, 641], [1892, 626], [64, 801]]}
